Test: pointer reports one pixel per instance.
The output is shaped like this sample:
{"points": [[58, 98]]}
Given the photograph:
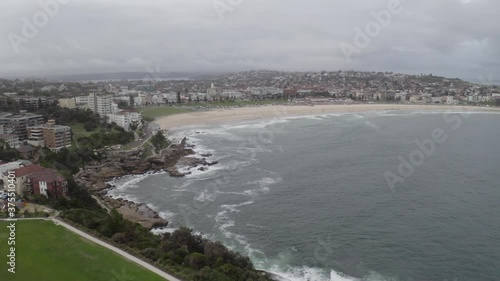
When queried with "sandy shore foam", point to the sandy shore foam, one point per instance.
{"points": [[245, 114]]}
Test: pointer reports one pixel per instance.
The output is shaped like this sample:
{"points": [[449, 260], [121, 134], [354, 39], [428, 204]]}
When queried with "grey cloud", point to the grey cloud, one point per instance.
{"points": [[454, 38]]}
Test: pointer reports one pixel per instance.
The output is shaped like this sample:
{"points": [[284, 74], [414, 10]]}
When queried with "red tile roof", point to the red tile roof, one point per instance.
{"points": [[23, 171], [47, 175]]}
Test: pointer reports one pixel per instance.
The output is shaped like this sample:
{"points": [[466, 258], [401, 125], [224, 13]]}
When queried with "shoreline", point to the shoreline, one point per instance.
{"points": [[265, 112], [99, 177]]}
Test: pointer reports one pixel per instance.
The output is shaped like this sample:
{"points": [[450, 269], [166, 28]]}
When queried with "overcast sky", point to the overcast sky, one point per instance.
{"points": [[454, 38]]}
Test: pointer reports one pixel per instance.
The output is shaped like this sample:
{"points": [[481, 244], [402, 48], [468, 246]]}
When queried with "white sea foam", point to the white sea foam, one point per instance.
{"points": [[166, 215], [255, 124], [308, 274], [264, 184], [206, 196], [163, 230], [130, 181]]}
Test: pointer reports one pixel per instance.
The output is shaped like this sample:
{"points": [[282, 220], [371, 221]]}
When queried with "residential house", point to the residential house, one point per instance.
{"points": [[35, 179], [26, 151], [22, 187], [10, 139], [48, 182]]}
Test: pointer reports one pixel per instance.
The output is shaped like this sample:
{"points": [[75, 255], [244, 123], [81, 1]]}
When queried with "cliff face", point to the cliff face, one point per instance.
{"points": [[96, 175]]}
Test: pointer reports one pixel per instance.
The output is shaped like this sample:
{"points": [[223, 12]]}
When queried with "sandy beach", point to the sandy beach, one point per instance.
{"points": [[244, 114]]}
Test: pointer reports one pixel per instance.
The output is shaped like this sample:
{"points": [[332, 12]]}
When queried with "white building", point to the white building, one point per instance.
{"points": [[451, 100], [82, 102], [230, 94], [10, 139], [100, 104], [114, 108], [125, 118]]}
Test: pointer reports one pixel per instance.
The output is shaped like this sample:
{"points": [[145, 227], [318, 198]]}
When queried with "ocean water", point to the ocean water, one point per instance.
{"points": [[308, 198]]}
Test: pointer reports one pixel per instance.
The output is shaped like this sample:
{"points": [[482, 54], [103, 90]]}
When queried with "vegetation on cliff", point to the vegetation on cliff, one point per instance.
{"points": [[189, 256]]}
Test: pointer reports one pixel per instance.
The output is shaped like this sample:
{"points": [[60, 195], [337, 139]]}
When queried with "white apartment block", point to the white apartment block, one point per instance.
{"points": [[100, 104], [82, 102], [67, 103], [125, 118]]}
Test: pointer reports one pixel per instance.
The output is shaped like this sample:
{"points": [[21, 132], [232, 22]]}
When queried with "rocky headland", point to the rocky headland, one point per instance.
{"points": [[115, 164]]}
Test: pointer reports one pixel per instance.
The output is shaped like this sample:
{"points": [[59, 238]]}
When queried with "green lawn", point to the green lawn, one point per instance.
{"points": [[47, 252], [79, 131]]}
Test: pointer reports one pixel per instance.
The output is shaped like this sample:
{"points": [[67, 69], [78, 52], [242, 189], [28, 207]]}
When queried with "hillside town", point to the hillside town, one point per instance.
{"points": [[29, 129], [107, 97]]}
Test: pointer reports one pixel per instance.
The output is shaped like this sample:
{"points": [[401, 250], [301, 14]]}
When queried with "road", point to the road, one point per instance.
{"points": [[138, 143], [110, 247]]}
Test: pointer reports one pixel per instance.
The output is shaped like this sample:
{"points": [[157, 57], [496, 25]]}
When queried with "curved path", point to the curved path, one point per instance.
{"points": [[116, 250], [105, 245]]}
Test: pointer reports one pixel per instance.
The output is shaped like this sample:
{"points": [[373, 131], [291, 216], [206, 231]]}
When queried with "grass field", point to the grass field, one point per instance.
{"points": [[47, 252], [79, 131]]}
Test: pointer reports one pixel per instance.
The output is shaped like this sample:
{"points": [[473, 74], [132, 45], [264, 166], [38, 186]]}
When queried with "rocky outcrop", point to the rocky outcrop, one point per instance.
{"points": [[117, 164], [136, 212]]}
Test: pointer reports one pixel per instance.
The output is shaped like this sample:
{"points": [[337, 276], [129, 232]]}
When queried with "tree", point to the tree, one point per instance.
{"points": [[159, 141], [89, 126], [7, 153], [195, 260], [123, 104], [179, 97], [134, 125]]}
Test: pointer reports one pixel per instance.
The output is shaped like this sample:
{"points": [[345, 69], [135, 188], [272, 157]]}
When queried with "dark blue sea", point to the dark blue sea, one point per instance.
{"points": [[394, 195]]}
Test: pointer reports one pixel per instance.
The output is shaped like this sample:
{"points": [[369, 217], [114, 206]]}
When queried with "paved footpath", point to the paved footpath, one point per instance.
{"points": [[110, 247], [117, 250]]}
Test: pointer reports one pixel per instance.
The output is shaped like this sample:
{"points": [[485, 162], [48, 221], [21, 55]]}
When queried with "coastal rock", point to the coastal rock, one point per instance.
{"points": [[141, 214], [115, 164], [138, 213], [173, 172]]}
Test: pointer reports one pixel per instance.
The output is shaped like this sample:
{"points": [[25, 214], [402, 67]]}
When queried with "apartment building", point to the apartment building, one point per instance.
{"points": [[33, 102], [82, 102], [125, 118], [67, 103], [17, 123], [55, 137], [100, 104]]}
